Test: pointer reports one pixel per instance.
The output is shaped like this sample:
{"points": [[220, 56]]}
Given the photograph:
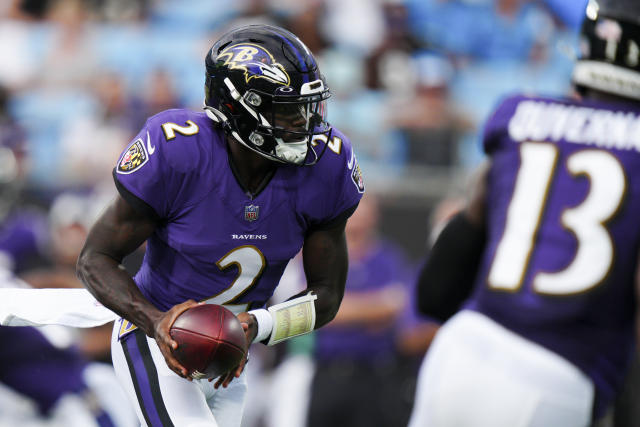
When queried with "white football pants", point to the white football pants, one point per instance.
{"points": [[162, 398], [478, 373]]}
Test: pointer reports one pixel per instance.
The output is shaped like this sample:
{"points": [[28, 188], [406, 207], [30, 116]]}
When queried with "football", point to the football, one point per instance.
{"points": [[210, 339]]}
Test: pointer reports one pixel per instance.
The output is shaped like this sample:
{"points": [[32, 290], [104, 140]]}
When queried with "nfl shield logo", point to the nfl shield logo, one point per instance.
{"points": [[251, 212]]}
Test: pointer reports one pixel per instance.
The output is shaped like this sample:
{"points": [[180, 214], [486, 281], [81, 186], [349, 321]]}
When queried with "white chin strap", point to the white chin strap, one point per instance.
{"points": [[293, 152]]}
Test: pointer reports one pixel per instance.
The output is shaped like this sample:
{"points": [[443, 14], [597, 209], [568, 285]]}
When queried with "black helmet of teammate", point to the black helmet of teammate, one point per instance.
{"points": [[264, 87], [610, 48]]}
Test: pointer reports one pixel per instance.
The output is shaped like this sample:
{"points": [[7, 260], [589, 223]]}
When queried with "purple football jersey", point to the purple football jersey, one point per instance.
{"points": [[563, 232], [32, 366], [214, 241]]}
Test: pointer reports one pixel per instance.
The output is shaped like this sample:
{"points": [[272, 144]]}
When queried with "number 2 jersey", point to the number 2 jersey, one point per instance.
{"points": [[214, 241], [563, 221]]}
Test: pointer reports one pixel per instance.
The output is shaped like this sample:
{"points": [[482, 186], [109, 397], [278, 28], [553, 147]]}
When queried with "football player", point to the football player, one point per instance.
{"points": [[53, 379], [224, 199], [545, 251], [60, 386], [22, 227]]}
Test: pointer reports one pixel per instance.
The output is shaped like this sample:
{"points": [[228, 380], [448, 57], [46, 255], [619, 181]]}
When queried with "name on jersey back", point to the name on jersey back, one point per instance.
{"points": [[544, 121]]}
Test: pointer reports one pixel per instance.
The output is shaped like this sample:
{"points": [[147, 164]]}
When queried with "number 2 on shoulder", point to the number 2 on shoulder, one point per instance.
{"points": [[171, 128], [335, 144]]}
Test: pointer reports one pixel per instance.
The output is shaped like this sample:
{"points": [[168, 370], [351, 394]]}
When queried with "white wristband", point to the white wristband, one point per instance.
{"points": [[265, 324], [292, 318]]}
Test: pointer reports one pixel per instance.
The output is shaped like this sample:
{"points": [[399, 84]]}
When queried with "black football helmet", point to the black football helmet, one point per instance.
{"points": [[264, 87], [610, 48]]}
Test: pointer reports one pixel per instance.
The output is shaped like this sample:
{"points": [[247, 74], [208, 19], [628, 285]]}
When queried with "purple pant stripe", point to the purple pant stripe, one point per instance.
{"points": [[145, 379]]}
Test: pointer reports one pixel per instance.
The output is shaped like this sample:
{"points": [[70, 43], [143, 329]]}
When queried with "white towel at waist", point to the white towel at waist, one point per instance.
{"points": [[38, 307]]}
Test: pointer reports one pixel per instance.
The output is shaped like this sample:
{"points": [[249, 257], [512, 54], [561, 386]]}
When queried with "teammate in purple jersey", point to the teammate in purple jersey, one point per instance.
{"points": [[49, 377], [545, 252], [224, 199], [56, 381], [23, 228]]}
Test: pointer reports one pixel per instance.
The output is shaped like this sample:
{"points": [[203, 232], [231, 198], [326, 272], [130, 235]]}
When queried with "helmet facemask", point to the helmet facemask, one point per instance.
{"points": [[290, 124]]}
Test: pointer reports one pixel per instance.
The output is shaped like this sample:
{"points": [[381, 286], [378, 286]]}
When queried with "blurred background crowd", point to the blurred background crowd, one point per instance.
{"points": [[412, 82]]}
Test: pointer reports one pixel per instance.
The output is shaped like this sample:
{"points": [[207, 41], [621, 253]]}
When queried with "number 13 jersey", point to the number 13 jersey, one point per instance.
{"points": [[215, 241], [563, 209]]}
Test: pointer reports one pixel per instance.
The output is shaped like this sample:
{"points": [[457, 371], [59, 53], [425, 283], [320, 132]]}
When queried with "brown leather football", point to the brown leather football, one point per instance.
{"points": [[210, 339]]}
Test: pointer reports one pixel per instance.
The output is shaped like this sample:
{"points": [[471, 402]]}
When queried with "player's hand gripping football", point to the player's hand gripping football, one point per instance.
{"points": [[250, 327], [162, 335]]}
